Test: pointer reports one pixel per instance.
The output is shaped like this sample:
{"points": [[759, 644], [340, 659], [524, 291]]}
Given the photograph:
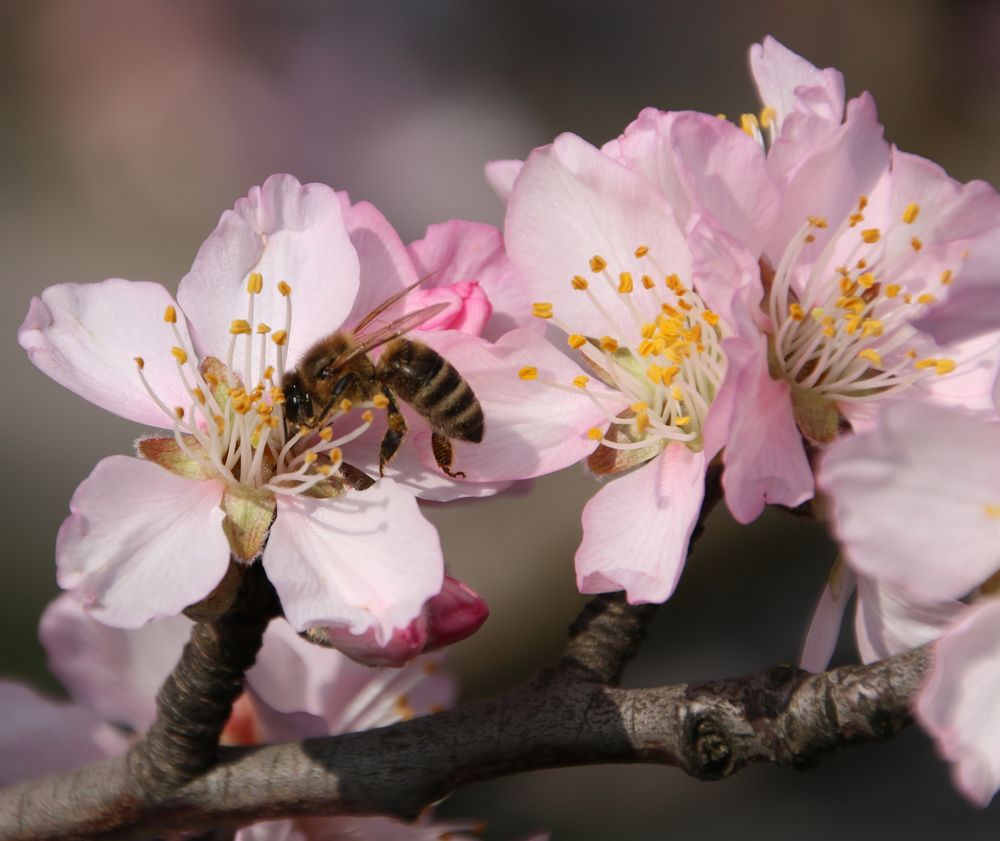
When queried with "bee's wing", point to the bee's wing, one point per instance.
{"points": [[381, 308], [391, 331]]}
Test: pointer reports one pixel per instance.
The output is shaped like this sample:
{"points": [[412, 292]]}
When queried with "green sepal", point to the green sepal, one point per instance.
{"points": [[167, 453], [249, 514], [817, 417]]}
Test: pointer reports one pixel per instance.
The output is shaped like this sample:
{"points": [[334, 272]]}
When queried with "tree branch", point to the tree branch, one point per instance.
{"points": [[709, 730]]}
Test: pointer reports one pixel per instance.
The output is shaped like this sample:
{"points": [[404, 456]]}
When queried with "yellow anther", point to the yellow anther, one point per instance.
{"points": [[263, 328], [910, 214], [367, 416], [946, 277], [667, 374], [277, 395], [264, 409], [862, 202], [170, 315], [853, 323], [924, 364], [310, 457], [676, 393], [642, 251], [542, 309], [179, 411], [346, 405], [842, 270], [871, 355], [625, 284], [892, 290], [862, 264], [916, 243], [817, 313], [817, 221], [866, 280], [240, 327], [581, 381], [199, 395], [655, 373], [220, 422], [856, 219], [641, 422], [646, 347], [648, 282], [279, 337], [944, 366], [847, 286], [871, 235], [796, 312], [992, 510], [336, 455], [179, 354], [598, 263], [684, 305], [810, 238], [926, 298], [579, 282], [648, 330], [872, 327], [683, 420], [907, 298], [674, 285], [324, 470], [326, 434], [595, 433], [284, 289], [710, 317], [768, 114], [575, 340], [268, 372], [829, 331], [749, 124], [139, 362], [639, 407], [380, 401], [255, 283], [528, 372], [609, 343]]}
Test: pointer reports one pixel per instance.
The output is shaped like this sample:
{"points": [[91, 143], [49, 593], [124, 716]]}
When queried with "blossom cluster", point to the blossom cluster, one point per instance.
{"points": [[788, 297]]}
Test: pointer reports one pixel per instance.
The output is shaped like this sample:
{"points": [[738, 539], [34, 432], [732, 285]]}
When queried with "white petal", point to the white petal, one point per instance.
{"points": [[113, 672], [141, 543], [365, 560], [824, 629], [912, 500], [86, 337], [286, 231], [958, 705]]}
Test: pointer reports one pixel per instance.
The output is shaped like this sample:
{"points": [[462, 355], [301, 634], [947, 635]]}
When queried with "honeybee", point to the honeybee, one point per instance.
{"points": [[339, 368]]}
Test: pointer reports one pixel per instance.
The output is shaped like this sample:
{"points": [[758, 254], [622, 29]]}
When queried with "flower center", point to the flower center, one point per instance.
{"points": [[665, 360], [236, 431], [844, 334]]}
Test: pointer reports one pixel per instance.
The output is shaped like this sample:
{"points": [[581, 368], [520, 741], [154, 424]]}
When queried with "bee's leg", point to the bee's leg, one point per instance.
{"points": [[393, 435], [444, 454]]}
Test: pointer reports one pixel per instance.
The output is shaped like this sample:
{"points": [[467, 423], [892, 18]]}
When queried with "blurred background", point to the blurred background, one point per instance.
{"points": [[129, 125]]}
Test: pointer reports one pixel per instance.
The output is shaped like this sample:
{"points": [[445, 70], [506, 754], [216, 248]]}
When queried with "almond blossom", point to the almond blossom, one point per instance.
{"points": [[149, 536], [294, 691], [915, 504], [646, 296]]}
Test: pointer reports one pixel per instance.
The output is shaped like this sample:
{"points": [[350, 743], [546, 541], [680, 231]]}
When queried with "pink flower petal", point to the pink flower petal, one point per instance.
{"points": [[368, 560], [887, 622], [114, 673], [456, 251], [386, 268], [530, 429], [141, 543], [39, 736], [467, 308], [453, 614], [824, 628], [958, 704], [703, 164], [790, 84], [501, 176], [286, 231], [86, 337], [637, 528], [572, 202], [765, 461], [911, 501], [292, 676]]}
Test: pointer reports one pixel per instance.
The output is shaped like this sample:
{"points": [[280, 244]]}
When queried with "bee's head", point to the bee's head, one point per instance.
{"points": [[298, 403]]}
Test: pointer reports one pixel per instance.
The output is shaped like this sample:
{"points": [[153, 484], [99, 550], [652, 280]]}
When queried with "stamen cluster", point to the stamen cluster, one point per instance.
{"points": [[665, 362]]}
